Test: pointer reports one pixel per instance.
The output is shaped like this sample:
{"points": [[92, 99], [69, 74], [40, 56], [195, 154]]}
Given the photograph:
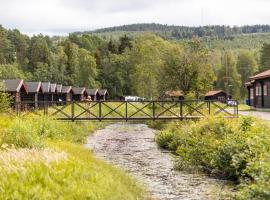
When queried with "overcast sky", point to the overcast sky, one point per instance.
{"points": [[60, 17]]}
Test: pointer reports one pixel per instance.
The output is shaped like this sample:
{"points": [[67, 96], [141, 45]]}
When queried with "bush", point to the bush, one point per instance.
{"points": [[237, 149]]}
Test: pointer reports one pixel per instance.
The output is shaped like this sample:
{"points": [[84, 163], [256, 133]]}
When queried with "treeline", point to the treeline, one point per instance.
{"points": [[185, 32], [146, 65]]}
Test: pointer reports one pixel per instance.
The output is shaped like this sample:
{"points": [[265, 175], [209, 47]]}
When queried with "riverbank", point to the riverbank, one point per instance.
{"points": [[133, 148], [232, 149]]}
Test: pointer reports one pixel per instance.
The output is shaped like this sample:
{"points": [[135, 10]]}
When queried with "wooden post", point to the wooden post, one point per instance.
{"points": [[100, 113], [126, 111], [154, 111], [209, 109], [181, 110], [72, 110]]}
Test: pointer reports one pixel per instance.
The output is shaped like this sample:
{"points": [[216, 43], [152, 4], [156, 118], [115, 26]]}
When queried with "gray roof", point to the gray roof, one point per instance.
{"points": [[53, 87], [14, 85], [78, 90], [66, 89], [59, 88], [33, 87], [46, 87], [102, 92], [92, 91]]}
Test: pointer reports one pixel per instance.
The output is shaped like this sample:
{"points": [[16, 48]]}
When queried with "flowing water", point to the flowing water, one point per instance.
{"points": [[132, 148]]}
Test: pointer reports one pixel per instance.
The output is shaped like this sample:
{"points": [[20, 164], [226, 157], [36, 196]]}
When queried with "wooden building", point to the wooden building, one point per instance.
{"points": [[258, 90], [46, 88], [16, 88], [66, 93], [103, 95], [217, 95], [58, 93], [79, 93], [52, 96], [34, 90], [174, 95], [93, 93]]}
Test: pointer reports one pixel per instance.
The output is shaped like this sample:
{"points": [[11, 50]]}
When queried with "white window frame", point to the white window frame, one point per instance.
{"points": [[251, 93], [265, 92], [258, 92]]}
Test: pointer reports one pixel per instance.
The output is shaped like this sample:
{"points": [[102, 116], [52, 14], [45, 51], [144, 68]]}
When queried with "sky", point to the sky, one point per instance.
{"points": [[60, 17]]}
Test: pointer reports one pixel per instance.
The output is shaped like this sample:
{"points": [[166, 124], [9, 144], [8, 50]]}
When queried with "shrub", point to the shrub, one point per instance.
{"points": [[236, 149]]}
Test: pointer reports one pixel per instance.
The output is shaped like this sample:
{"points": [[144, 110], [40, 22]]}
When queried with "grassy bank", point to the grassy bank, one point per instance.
{"points": [[42, 158], [235, 149]]}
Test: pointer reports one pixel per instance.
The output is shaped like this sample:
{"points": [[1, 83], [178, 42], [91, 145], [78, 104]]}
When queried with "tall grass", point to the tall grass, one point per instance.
{"points": [[41, 158]]}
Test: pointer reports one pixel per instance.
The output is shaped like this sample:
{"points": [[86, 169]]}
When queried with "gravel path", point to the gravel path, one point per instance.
{"points": [[132, 148], [257, 114]]}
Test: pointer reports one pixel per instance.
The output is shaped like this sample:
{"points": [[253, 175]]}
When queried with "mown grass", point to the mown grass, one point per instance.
{"points": [[41, 158], [236, 149]]}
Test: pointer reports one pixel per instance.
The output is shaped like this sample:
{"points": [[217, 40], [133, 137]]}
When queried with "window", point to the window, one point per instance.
{"points": [[265, 93], [251, 93], [258, 91]]}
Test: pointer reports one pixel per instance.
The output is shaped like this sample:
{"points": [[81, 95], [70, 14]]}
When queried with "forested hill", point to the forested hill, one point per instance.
{"points": [[185, 32]]}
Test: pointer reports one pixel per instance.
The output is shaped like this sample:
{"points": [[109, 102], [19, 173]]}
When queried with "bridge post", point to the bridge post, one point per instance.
{"points": [[72, 111], [181, 110], [209, 108], [126, 111], [99, 113], [154, 111]]}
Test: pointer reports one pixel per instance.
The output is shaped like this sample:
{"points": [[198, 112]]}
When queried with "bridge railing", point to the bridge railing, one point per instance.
{"points": [[127, 110]]}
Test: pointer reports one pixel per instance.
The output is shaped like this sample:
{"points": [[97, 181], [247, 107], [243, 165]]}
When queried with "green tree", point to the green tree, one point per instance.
{"points": [[246, 66], [39, 52], [187, 68], [125, 42], [71, 50], [147, 61], [265, 57], [87, 69], [228, 77]]}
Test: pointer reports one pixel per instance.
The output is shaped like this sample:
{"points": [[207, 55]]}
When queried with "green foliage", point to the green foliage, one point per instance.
{"points": [[233, 149], [190, 64], [246, 67], [228, 76], [265, 57]]}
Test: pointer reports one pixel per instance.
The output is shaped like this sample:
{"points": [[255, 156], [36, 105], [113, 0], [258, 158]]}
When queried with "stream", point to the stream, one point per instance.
{"points": [[132, 148]]}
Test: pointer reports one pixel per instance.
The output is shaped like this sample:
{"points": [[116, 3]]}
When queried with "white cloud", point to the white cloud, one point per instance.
{"points": [[64, 16]]}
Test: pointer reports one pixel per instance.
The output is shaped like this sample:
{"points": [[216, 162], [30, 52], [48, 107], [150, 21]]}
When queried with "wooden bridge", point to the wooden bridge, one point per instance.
{"points": [[127, 110]]}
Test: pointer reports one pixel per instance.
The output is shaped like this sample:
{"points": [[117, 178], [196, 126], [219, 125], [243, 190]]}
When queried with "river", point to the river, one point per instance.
{"points": [[132, 148]]}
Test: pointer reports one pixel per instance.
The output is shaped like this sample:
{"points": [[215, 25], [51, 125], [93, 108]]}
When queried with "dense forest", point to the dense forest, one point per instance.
{"points": [[185, 32], [146, 64]]}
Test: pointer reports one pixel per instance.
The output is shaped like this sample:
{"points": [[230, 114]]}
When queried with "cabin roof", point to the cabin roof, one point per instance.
{"points": [[92, 91], [174, 93], [214, 92], [66, 89], [78, 90], [59, 88], [14, 85], [53, 87], [261, 75], [103, 92], [34, 87], [46, 87]]}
